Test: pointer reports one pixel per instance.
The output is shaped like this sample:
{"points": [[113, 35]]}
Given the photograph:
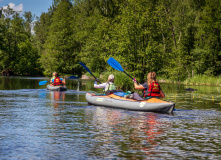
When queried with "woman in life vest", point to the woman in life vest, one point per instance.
{"points": [[150, 89], [107, 86], [56, 80]]}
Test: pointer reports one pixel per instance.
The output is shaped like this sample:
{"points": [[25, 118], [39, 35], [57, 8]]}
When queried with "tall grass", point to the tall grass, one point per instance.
{"points": [[196, 80], [204, 80]]}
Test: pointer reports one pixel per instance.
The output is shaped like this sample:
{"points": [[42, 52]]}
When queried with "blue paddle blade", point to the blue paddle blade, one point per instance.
{"points": [[115, 64], [43, 82], [73, 77], [83, 65]]}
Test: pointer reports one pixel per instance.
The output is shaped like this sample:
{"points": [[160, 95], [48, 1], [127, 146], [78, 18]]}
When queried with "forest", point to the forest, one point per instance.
{"points": [[178, 39]]}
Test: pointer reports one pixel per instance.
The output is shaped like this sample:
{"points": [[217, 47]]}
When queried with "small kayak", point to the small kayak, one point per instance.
{"points": [[114, 101], [56, 88]]}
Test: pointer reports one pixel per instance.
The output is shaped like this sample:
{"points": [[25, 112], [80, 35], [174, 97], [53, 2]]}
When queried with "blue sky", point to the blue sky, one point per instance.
{"points": [[35, 6]]}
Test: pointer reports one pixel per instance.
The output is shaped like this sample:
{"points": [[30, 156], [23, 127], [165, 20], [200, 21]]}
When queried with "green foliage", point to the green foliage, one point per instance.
{"points": [[17, 51], [204, 79], [96, 74], [176, 39], [27, 62]]}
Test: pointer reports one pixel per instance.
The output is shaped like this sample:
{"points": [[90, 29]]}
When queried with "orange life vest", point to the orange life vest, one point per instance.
{"points": [[57, 81], [153, 90]]}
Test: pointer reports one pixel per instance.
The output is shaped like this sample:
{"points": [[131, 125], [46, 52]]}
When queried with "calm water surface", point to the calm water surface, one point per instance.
{"points": [[39, 124]]}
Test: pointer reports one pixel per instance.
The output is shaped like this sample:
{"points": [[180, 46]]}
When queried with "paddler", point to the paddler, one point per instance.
{"points": [[150, 89], [107, 86], [56, 80]]}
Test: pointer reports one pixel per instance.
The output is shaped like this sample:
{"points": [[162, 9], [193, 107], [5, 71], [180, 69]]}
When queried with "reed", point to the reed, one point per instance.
{"points": [[203, 80]]}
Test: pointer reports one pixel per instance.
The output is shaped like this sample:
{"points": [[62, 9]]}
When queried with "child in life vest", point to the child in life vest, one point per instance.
{"points": [[150, 89], [107, 86], [56, 80]]}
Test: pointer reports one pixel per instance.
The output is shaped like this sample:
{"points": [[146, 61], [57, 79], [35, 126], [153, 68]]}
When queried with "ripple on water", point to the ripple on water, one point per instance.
{"points": [[39, 124]]}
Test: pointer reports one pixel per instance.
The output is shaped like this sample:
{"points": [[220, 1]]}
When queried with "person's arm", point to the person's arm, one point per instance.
{"points": [[162, 95], [136, 86], [63, 81], [51, 80], [102, 85]]}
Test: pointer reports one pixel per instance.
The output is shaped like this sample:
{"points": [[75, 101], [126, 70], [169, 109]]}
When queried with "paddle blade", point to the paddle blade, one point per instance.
{"points": [[83, 65], [73, 77], [115, 64], [43, 82]]}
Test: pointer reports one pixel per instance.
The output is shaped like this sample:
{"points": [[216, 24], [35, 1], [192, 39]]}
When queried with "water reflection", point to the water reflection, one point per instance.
{"points": [[128, 133], [57, 98], [41, 124], [195, 100]]}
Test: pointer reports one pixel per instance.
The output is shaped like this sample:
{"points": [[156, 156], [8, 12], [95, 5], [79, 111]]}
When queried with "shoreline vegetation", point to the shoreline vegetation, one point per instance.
{"points": [[176, 39], [124, 82], [199, 80]]}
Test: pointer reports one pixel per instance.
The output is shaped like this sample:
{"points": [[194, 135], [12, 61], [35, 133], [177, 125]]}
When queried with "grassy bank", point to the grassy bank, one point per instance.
{"points": [[203, 80], [125, 83], [197, 80]]}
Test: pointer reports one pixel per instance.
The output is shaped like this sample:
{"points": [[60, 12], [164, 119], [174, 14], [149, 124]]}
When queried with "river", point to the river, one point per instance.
{"points": [[36, 123]]}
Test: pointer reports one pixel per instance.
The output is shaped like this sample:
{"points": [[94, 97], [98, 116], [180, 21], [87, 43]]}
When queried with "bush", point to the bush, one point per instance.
{"points": [[96, 74]]}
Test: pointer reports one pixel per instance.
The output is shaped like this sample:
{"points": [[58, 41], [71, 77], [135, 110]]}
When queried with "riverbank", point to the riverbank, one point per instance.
{"points": [[125, 81], [197, 80]]}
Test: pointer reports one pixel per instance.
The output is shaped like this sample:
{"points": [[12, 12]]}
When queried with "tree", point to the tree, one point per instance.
{"points": [[58, 54], [28, 23], [41, 30], [27, 60], [209, 39], [17, 52], [136, 38]]}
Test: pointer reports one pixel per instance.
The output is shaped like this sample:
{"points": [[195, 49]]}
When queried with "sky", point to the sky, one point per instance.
{"points": [[35, 6]]}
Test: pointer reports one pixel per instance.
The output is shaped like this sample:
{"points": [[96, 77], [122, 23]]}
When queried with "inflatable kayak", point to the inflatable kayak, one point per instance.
{"points": [[114, 101], [56, 88]]}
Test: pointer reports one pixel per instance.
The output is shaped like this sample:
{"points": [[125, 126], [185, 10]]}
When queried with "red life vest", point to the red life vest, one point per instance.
{"points": [[57, 81], [153, 90]]}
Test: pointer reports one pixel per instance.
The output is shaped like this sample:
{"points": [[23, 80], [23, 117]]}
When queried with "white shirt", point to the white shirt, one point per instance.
{"points": [[102, 85]]}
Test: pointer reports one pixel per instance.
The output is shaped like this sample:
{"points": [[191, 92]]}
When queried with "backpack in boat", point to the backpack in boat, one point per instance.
{"points": [[121, 94], [108, 92]]}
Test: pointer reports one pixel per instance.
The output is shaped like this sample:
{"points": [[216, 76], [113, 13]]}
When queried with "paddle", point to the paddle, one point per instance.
{"points": [[44, 82], [85, 67], [116, 65], [73, 77]]}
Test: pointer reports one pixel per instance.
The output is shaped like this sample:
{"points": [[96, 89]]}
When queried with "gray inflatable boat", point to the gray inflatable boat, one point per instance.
{"points": [[56, 88], [114, 101]]}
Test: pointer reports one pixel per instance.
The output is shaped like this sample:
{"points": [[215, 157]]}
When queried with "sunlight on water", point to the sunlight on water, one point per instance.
{"points": [[40, 124]]}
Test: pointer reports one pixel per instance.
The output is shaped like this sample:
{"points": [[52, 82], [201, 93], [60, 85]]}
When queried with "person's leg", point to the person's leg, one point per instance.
{"points": [[136, 96]]}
